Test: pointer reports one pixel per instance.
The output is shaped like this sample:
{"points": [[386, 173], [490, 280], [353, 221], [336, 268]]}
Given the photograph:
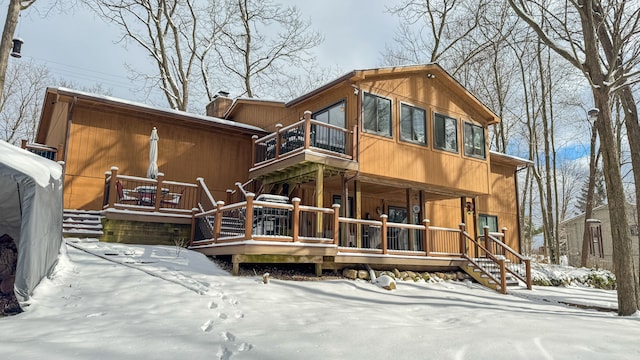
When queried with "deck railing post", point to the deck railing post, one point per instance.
{"points": [[336, 223], [307, 129], [425, 237], [60, 152], [463, 242], [527, 265], [503, 276], [218, 221], [229, 196], [254, 156], [383, 218], [113, 193], [158, 197], [488, 243], [248, 220], [504, 236], [194, 223], [295, 227], [23, 144], [278, 140]]}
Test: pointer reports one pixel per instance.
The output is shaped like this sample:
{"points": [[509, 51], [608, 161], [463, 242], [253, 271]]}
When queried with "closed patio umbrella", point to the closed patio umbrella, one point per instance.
{"points": [[152, 172]]}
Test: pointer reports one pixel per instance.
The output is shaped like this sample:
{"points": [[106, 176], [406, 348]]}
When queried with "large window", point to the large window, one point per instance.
{"points": [[377, 115], [445, 133], [487, 220], [412, 124], [474, 140], [329, 138]]}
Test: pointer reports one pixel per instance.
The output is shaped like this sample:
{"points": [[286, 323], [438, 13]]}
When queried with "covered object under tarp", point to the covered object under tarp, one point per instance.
{"points": [[30, 213]]}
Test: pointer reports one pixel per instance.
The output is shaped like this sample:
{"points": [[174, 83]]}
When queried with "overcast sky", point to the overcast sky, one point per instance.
{"points": [[81, 48]]}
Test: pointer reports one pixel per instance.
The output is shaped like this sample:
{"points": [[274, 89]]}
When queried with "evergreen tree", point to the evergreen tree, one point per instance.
{"points": [[599, 194]]}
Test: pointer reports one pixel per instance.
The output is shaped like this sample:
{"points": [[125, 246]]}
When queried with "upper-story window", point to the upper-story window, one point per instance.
{"points": [[327, 137], [377, 115], [413, 124], [445, 133], [474, 144]]}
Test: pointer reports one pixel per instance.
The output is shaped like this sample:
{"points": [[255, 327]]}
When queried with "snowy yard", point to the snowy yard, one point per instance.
{"points": [[184, 306]]}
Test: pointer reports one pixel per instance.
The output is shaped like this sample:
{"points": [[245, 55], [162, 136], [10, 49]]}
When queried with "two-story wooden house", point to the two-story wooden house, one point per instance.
{"points": [[402, 150]]}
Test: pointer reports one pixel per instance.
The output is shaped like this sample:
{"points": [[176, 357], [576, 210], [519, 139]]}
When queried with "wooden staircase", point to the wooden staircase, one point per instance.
{"points": [[484, 271], [82, 224]]}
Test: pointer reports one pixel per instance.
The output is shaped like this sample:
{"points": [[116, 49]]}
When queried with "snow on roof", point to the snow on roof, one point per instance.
{"points": [[511, 157], [37, 167], [154, 108]]}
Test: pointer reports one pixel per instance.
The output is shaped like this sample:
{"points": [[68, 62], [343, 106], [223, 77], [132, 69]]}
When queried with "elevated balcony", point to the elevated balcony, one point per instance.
{"points": [[291, 150]]}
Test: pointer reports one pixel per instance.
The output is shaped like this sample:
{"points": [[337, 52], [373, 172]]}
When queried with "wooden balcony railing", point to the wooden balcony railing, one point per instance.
{"points": [[304, 134], [159, 195]]}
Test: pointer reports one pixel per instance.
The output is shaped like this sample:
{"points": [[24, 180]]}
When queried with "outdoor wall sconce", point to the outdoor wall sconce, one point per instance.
{"points": [[469, 207], [17, 46]]}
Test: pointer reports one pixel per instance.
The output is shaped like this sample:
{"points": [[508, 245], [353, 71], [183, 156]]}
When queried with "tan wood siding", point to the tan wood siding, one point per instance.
{"points": [[263, 116], [99, 140]]}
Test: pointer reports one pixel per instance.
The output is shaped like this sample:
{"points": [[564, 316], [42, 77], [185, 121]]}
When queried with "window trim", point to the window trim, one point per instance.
{"points": [[426, 125], [342, 101], [435, 133], [484, 140], [368, 131]]}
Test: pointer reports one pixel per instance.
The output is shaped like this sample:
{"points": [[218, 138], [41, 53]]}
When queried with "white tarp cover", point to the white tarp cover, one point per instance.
{"points": [[31, 213]]}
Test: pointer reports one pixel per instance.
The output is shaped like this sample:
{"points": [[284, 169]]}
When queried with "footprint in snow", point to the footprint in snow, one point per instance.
{"points": [[228, 336], [222, 316], [245, 347], [224, 353], [212, 305], [207, 326], [239, 315]]}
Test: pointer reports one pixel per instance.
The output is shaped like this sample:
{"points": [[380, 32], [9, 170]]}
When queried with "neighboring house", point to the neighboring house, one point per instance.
{"points": [[402, 144], [600, 245]]}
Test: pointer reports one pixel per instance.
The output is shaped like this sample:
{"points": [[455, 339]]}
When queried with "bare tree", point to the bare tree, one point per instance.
{"points": [[21, 101], [262, 44], [175, 37], [583, 32], [6, 43]]}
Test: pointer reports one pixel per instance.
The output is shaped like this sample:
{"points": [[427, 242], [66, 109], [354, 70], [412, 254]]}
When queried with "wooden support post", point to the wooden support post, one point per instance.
{"points": [[60, 152], [319, 197], [307, 129], [158, 196], [463, 243], [358, 202], [383, 231], [354, 143], [236, 265], [254, 156], [504, 236], [318, 267], [503, 276], [248, 220], [527, 264], [410, 232], [194, 223], [23, 144], [113, 192], [229, 196], [425, 236], [278, 140], [295, 227], [336, 223], [487, 240], [217, 225]]}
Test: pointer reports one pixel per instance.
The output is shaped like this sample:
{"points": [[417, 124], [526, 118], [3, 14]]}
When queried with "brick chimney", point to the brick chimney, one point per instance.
{"points": [[219, 105]]}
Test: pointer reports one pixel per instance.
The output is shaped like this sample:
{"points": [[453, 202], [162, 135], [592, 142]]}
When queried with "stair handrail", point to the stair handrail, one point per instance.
{"points": [[207, 195], [500, 262], [527, 262], [241, 187]]}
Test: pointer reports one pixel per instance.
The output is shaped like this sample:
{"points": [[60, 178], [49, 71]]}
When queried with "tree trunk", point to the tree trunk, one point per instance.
{"points": [[633, 135], [621, 236], [13, 12]]}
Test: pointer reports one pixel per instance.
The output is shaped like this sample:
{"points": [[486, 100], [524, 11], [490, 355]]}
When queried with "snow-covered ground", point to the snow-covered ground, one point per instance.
{"points": [[114, 301]]}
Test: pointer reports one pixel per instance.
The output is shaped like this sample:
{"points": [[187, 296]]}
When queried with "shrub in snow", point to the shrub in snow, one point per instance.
{"points": [[556, 275]]}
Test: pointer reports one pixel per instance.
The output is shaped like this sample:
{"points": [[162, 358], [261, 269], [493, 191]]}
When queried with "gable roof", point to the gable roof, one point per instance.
{"points": [[433, 69], [55, 94]]}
